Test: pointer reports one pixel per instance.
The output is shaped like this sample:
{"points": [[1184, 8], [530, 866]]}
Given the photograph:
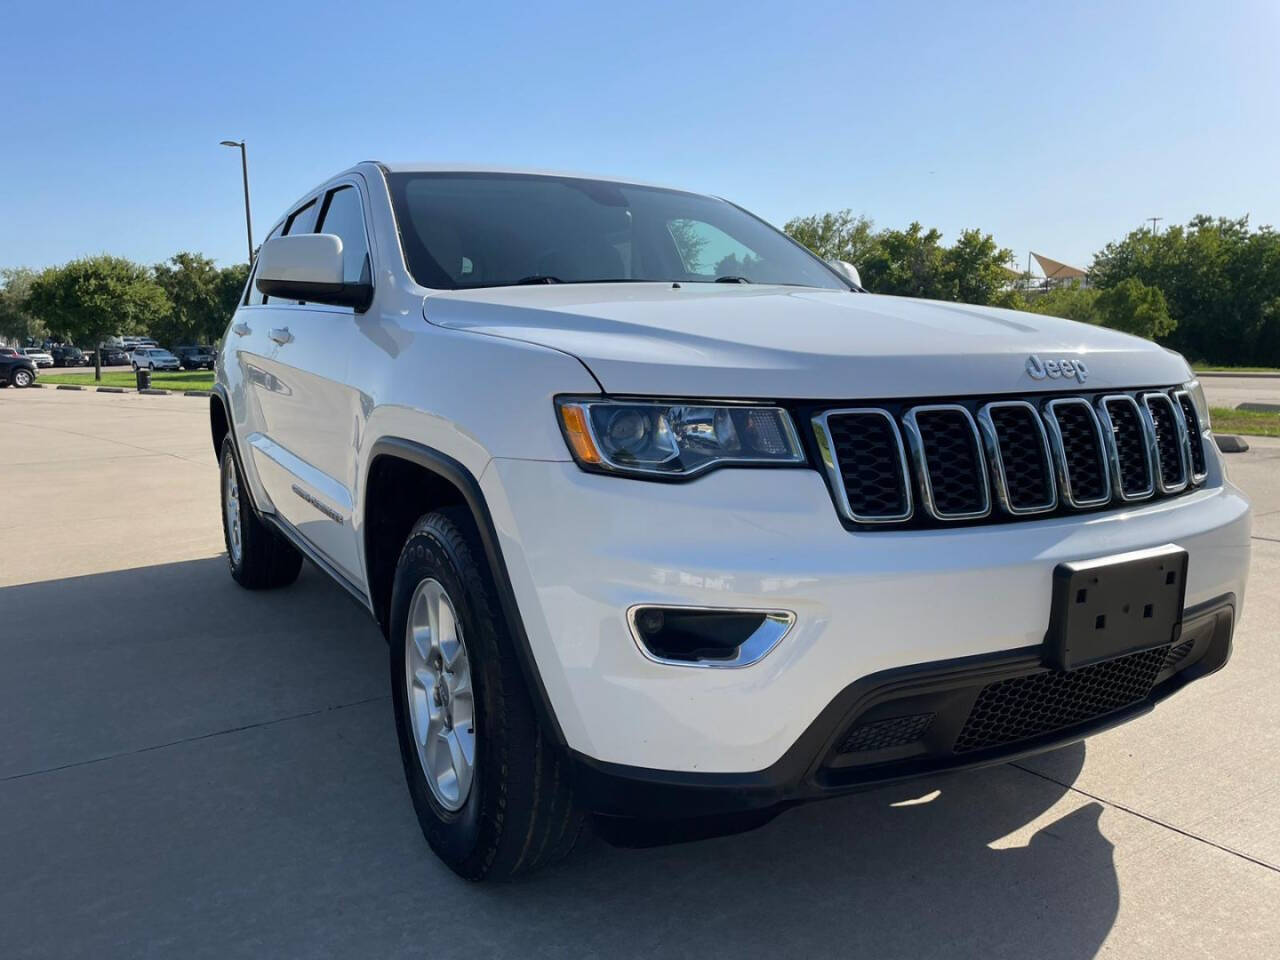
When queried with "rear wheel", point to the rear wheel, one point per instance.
{"points": [[490, 789], [260, 558]]}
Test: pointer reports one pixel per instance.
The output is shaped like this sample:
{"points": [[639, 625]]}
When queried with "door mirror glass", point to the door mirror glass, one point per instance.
{"points": [[309, 267], [846, 270]]}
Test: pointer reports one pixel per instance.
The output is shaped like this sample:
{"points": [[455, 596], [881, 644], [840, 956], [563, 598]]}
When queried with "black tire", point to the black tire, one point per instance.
{"points": [[266, 559], [22, 378], [519, 814]]}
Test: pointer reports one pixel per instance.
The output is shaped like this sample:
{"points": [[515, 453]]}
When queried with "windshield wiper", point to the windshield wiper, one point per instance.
{"points": [[732, 280], [538, 278]]}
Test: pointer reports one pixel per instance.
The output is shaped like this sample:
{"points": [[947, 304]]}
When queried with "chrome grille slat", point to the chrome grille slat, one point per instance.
{"points": [[1018, 451], [1195, 436], [947, 452], [862, 452], [1130, 447], [1170, 432], [1078, 446]]}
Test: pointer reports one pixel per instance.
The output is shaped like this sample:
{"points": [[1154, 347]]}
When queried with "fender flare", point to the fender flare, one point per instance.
{"points": [[449, 469]]}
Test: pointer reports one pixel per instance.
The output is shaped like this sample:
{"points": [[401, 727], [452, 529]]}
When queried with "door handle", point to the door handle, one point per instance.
{"points": [[240, 329], [281, 335]]}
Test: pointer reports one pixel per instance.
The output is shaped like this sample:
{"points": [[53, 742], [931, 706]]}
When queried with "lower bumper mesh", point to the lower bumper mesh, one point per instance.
{"points": [[1023, 707]]}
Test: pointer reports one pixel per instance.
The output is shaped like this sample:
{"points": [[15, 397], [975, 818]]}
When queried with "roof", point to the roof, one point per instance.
{"points": [[410, 167]]}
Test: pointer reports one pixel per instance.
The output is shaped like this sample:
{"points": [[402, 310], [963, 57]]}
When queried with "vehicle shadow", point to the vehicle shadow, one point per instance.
{"points": [[220, 778]]}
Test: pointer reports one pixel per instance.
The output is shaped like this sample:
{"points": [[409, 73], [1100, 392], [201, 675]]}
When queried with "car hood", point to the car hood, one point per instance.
{"points": [[719, 340]]}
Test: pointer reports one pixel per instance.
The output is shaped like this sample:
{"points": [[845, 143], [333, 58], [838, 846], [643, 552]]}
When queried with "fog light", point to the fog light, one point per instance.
{"points": [[708, 637]]}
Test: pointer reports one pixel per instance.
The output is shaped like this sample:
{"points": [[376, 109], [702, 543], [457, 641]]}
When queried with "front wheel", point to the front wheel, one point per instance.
{"points": [[22, 378], [490, 789], [260, 558]]}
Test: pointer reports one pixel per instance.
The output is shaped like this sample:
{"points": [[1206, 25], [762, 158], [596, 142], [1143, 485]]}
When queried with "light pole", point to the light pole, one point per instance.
{"points": [[244, 168]]}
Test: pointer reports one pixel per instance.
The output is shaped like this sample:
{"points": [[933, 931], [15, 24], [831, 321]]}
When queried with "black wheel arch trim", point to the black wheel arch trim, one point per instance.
{"points": [[457, 474]]}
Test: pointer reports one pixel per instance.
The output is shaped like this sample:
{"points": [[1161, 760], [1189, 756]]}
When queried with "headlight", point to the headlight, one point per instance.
{"points": [[675, 439], [1196, 393]]}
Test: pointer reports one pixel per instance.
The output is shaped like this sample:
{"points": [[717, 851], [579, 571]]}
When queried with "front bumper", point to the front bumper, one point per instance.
{"points": [[581, 549], [927, 719]]}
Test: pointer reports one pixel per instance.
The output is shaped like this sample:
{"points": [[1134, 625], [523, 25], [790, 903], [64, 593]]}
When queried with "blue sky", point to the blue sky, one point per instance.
{"points": [[1057, 127]]}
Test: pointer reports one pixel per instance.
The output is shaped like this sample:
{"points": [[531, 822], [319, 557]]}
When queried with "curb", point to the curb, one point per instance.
{"points": [[153, 392], [69, 386], [1228, 373], [197, 393], [111, 390], [1230, 443], [1259, 407]]}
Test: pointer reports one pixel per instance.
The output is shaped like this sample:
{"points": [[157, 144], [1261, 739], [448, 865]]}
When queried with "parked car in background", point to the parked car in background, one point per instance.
{"points": [[69, 356], [41, 358], [16, 369], [114, 357], [153, 358], [195, 358]]}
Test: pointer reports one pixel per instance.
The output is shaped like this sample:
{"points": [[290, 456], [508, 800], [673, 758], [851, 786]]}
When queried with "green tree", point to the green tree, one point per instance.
{"points": [[908, 263], [16, 321], [976, 270], [834, 236], [194, 286], [1218, 277], [89, 299], [231, 281], [1135, 308]]}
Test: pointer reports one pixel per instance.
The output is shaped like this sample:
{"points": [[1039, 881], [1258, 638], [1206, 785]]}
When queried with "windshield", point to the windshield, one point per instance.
{"points": [[463, 230]]}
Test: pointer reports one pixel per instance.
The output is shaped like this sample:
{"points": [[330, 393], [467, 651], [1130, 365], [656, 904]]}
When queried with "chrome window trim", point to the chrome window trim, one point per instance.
{"points": [[1196, 478], [921, 461], [1184, 448], [1113, 450], [826, 449], [763, 640], [1060, 453], [996, 458]]}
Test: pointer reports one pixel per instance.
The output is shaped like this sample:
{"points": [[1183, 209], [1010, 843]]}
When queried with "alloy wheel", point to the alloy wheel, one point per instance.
{"points": [[440, 695], [231, 508]]}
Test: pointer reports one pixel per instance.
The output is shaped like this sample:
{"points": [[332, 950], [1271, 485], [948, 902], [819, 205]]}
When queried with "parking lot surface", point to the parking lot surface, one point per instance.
{"points": [[189, 769], [1233, 391]]}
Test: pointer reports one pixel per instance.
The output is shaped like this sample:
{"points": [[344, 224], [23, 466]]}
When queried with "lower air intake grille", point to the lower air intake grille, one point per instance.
{"points": [[882, 734], [1025, 707], [1179, 653]]}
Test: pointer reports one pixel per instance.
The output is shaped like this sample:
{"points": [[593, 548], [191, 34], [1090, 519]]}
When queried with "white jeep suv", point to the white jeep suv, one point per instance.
{"points": [[665, 519]]}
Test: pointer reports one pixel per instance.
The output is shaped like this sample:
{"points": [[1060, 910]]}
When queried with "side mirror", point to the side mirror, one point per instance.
{"points": [[309, 267], [846, 270]]}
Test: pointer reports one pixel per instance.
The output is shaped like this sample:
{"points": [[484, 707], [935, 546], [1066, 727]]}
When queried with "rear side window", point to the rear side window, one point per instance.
{"points": [[343, 216], [302, 220]]}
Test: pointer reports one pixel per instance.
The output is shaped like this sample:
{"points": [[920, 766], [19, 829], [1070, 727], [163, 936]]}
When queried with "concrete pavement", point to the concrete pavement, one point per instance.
{"points": [[1233, 391], [187, 768]]}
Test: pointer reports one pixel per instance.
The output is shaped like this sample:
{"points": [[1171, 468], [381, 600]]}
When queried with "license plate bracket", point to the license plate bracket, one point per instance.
{"points": [[1112, 606]]}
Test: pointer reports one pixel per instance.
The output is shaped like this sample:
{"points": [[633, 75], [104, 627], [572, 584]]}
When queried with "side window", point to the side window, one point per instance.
{"points": [[302, 220], [251, 295], [344, 217]]}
